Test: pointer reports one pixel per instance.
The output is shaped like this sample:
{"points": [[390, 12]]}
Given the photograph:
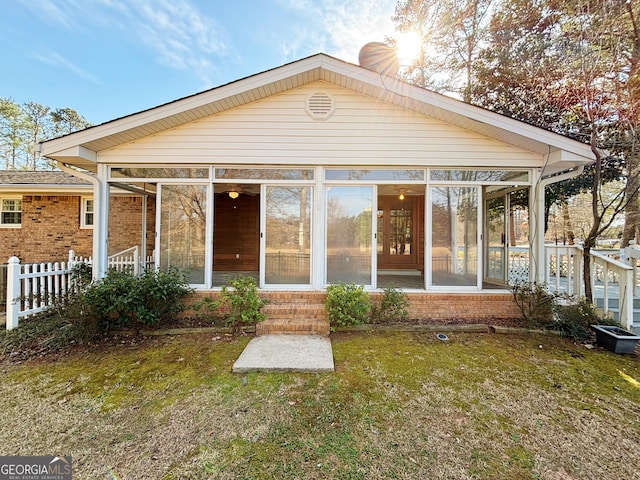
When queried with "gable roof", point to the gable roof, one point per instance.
{"points": [[80, 148]]}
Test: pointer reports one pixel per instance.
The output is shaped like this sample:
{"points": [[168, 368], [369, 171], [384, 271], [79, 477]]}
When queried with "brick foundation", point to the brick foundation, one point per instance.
{"points": [[304, 313], [461, 306]]}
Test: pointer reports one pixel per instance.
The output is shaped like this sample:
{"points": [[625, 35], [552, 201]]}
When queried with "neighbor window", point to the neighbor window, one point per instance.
{"points": [[86, 215], [11, 212]]}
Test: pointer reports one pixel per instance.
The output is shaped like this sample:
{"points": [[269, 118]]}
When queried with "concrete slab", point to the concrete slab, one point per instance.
{"points": [[286, 353]]}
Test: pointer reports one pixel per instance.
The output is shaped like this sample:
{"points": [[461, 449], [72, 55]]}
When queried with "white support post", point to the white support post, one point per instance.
{"points": [[538, 258], [580, 275], [13, 292], [626, 299], [101, 223], [627, 257], [143, 240]]}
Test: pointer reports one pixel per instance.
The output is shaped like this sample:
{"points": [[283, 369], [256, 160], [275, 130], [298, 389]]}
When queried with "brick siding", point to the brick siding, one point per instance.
{"points": [[51, 227]]}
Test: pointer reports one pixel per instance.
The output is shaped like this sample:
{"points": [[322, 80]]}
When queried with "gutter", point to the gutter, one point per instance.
{"points": [[77, 173], [543, 182], [537, 206], [96, 274]]}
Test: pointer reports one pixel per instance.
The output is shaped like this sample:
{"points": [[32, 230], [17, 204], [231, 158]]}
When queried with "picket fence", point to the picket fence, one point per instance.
{"points": [[32, 288]]}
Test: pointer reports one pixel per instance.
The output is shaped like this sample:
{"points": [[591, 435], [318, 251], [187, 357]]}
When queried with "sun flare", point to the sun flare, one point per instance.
{"points": [[408, 47]]}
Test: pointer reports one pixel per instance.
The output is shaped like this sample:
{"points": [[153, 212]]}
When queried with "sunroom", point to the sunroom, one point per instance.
{"points": [[320, 172], [307, 227]]}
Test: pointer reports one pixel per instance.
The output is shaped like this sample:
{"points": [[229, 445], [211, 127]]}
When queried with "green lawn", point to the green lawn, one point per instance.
{"points": [[400, 405]]}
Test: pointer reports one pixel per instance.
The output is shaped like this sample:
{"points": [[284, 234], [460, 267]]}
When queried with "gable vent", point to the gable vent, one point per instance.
{"points": [[320, 106]]}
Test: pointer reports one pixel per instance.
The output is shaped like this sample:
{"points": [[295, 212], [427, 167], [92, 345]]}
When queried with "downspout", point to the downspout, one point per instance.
{"points": [[99, 269], [538, 258]]}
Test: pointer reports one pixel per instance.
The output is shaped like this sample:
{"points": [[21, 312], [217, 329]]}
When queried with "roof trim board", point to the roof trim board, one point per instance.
{"points": [[81, 147]]}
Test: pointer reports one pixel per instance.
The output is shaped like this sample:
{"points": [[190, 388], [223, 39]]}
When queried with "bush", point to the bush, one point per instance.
{"points": [[347, 304], [573, 319], [239, 304], [65, 323], [392, 306], [120, 298], [92, 310], [209, 310], [535, 303]]}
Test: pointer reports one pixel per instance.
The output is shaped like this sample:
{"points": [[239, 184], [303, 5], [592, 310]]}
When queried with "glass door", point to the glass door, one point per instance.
{"points": [[286, 251], [454, 237], [183, 214], [396, 232], [349, 234], [496, 244]]}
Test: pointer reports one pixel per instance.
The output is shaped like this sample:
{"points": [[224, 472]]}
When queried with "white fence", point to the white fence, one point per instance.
{"points": [[609, 273], [31, 288]]}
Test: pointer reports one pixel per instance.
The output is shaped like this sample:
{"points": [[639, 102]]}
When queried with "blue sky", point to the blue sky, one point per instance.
{"points": [[110, 58]]}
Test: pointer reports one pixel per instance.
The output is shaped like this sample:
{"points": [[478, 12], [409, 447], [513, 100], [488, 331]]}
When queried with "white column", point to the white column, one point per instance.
{"points": [[537, 258], [319, 221], [101, 223], [142, 259]]}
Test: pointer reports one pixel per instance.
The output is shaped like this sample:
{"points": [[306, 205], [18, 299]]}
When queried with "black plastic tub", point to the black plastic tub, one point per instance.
{"points": [[615, 339]]}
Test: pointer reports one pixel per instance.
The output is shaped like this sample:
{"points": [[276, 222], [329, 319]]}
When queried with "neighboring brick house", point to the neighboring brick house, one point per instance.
{"points": [[43, 215]]}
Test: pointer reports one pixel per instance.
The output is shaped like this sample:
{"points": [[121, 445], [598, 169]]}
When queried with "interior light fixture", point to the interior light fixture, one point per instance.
{"points": [[233, 194], [401, 196]]}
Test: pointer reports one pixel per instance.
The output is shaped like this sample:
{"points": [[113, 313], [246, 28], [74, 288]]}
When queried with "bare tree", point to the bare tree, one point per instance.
{"points": [[452, 33]]}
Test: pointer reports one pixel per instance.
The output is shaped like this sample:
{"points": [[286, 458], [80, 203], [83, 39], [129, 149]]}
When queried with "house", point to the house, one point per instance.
{"points": [[322, 171], [44, 215]]}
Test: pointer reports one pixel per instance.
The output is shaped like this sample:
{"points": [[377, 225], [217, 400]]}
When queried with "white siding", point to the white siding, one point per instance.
{"points": [[362, 131]]}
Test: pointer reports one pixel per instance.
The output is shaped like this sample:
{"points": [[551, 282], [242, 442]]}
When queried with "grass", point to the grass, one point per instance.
{"points": [[400, 405]]}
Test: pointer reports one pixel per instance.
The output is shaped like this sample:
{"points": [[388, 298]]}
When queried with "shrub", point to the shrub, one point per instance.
{"points": [[209, 309], [241, 304], [393, 305], [347, 304], [121, 298], [238, 305], [574, 317], [66, 322], [535, 303], [81, 275], [91, 310]]}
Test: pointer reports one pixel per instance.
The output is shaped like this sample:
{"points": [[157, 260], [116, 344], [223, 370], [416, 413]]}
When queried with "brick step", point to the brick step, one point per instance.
{"points": [[293, 326], [294, 298], [298, 313], [295, 311]]}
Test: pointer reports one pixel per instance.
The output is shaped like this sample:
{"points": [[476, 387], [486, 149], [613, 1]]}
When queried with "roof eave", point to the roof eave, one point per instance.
{"points": [[73, 149]]}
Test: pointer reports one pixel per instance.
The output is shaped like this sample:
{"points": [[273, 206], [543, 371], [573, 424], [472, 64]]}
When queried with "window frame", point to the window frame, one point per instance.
{"points": [[84, 211], [2, 211]]}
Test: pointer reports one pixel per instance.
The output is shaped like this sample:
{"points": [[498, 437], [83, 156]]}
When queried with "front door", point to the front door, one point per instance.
{"points": [[455, 235], [397, 232], [286, 243], [496, 244]]}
